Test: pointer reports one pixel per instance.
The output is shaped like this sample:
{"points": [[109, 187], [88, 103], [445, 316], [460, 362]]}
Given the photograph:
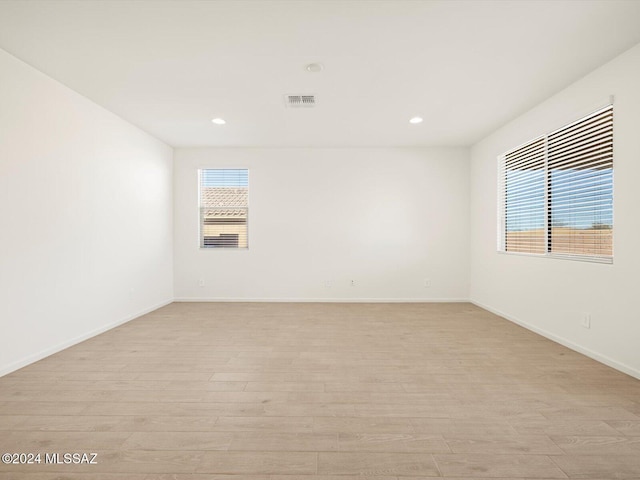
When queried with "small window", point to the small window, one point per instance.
{"points": [[556, 192], [224, 208]]}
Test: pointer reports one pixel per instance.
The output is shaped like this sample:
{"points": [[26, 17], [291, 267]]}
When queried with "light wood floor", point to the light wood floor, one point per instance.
{"points": [[324, 392]]}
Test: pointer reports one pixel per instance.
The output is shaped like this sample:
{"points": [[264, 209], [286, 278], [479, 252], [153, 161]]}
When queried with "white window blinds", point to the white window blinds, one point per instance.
{"points": [[224, 208], [556, 192]]}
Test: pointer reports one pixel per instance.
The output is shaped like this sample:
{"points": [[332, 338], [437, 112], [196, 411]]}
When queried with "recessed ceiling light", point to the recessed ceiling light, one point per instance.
{"points": [[314, 67], [219, 121], [416, 120]]}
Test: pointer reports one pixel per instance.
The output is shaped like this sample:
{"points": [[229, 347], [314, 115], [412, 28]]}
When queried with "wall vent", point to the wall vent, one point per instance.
{"points": [[300, 101]]}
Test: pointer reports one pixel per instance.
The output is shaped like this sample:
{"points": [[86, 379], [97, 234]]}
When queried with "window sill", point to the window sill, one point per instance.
{"points": [[578, 258]]}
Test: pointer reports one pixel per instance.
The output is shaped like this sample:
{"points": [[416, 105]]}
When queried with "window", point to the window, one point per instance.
{"points": [[556, 192], [224, 208]]}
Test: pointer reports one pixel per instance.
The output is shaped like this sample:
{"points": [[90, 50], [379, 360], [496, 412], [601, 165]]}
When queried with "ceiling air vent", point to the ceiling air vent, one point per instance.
{"points": [[300, 101]]}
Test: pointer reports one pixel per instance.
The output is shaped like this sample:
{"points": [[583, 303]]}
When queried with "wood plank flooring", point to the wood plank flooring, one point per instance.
{"points": [[321, 392]]}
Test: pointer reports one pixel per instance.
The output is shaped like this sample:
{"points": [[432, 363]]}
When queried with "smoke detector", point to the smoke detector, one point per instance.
{"points": [[300, 101]]}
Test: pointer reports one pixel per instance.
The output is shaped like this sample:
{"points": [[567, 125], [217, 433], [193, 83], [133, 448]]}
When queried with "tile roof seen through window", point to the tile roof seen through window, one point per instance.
{"points": [[224, 201]]}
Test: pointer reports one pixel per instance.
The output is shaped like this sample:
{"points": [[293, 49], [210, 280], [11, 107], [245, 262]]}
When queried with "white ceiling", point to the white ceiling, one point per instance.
{"points": [[169, 67]]}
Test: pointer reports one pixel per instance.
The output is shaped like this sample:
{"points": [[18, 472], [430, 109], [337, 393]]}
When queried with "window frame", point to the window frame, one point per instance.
{"points": [[547, 201], [200, 238]]}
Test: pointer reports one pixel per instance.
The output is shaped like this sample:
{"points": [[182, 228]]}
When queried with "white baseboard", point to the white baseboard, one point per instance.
{"points": [[23, 362], [321, 300], [563, 341]]}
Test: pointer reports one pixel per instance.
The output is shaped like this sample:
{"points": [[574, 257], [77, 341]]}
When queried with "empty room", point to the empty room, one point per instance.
{"points": [[319, 239]]}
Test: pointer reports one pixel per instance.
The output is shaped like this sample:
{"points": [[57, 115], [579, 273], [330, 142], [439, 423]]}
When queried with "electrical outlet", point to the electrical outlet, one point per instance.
{"points": [[328, 284], [201, 282], [353, 283], [586, 320], [427, 283]]}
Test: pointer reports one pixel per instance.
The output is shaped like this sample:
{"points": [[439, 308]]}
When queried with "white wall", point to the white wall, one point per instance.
{"points": [[385, 218], [551, 295], [86, 209]]}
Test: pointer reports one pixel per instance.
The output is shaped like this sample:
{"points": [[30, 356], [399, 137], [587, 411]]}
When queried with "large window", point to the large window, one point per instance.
{"points": [[224, 208], [556, 192]]}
